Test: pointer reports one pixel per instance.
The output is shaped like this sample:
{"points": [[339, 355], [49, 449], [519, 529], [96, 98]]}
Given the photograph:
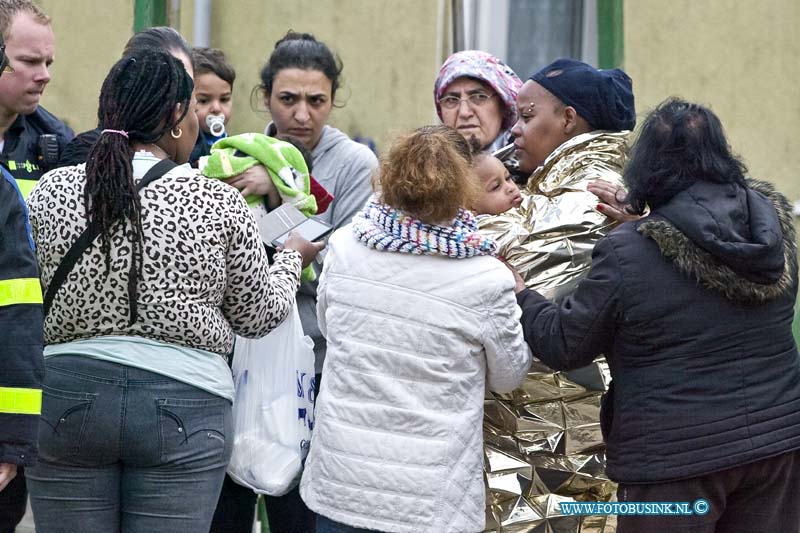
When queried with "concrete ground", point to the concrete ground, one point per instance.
{"points": [[26, 526]]}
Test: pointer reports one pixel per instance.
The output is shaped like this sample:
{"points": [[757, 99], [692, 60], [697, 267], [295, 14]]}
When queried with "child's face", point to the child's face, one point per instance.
{"points": [[500, 193], [214, 97]]}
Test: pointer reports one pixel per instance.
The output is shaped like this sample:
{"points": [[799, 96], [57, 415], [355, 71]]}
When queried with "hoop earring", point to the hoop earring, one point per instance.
{"points": [[174, 135]]}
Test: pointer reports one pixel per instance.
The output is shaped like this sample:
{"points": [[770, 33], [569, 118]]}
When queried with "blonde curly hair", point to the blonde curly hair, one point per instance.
{"points": [[428, 174]]}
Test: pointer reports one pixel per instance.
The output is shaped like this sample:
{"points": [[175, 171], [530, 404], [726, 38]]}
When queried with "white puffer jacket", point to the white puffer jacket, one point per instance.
{"points": [[412, 343]]}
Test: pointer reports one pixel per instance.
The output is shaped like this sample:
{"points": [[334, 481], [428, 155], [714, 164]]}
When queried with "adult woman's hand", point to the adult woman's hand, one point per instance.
{"points": [[611, 196], [519, 282], [256, 180], [307, 249]]}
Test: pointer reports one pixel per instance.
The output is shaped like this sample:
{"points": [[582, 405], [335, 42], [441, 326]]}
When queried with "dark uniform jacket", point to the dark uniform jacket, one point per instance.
{"points": [[21, 364], [693, 307], [22, 154]]}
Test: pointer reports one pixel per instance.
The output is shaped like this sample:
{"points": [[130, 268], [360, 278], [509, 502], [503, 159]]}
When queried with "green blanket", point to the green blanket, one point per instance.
{"points": [[285, 164], [233, 155]]}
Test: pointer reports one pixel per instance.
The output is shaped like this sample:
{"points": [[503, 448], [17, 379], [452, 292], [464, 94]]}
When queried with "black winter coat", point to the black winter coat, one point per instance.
{"points": [[692, 307]]}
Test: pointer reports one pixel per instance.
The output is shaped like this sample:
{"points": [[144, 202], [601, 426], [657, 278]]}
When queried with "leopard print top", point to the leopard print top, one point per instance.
{"points": [[205, 274]]}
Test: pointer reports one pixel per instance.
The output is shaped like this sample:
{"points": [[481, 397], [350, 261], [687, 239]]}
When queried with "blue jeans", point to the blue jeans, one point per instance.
{"points": [[326, 525], [126, 450]]}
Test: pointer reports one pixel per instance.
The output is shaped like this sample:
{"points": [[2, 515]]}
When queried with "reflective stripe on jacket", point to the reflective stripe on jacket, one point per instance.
{"points": [[21, 337]]}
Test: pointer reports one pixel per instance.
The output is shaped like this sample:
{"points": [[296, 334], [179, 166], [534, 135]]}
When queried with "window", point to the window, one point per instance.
{"points": [[528, 34]]}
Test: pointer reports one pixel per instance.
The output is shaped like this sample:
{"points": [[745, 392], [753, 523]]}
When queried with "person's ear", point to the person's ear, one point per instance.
{"points": [[570, 118], [266, 101], [176, 114]]}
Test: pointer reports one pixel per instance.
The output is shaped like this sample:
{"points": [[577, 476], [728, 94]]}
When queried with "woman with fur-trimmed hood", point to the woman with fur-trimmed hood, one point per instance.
{"points": [[692, 306]]}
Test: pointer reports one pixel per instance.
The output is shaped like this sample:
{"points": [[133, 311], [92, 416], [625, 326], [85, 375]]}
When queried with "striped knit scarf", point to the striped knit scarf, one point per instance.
{"points": [[384, 228]]}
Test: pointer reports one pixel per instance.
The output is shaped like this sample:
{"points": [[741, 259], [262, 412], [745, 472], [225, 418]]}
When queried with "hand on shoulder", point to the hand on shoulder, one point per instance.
{"points": [[611, 200]]}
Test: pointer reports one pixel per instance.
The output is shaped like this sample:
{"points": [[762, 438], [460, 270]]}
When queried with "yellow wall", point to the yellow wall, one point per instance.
{"points": [[89, 38], [738, 57], [391, 50], [388, 47]]}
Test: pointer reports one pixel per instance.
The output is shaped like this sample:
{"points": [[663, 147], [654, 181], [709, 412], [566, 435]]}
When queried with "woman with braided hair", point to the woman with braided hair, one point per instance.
{"points": [[136, 414]]}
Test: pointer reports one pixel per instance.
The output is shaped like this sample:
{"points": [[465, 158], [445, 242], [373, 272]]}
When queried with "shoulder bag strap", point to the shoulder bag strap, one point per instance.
{"points": [[91, 232]]}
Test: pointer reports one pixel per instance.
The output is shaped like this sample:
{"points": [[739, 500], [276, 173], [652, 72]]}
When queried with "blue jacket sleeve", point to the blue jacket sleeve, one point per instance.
{"points": [[571, 334], [21, 335]]}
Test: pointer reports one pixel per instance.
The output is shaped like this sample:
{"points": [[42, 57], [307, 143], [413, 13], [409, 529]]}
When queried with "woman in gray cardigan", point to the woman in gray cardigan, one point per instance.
{"points": [[299, 83]]}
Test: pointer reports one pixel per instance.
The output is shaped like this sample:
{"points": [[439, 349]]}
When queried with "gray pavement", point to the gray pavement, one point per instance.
{"points": [[26, 526]]}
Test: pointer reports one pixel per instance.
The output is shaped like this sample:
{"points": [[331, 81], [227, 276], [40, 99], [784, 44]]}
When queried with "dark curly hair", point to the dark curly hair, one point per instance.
{"points": [[679, 144]]}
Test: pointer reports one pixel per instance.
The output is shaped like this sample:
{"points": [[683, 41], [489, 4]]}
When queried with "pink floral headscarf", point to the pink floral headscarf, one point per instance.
{"points": [[486, 68]]}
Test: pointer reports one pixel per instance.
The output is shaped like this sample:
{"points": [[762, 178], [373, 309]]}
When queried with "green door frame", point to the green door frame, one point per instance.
{"points": [[148, 13], [610, 34]]}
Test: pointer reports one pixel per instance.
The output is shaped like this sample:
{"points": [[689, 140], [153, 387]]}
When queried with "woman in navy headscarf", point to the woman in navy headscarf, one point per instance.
{"points": [[573, 129]]}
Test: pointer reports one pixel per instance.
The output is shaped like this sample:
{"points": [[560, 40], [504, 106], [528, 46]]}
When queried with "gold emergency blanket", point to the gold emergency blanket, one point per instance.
{"points": [[543, 443]]}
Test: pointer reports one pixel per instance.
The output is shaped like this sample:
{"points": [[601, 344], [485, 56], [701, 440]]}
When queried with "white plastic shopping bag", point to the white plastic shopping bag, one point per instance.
{"points": [[273, 413]]}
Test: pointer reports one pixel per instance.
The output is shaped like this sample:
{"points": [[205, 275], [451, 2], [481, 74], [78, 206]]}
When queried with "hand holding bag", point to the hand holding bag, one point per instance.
{"points": [[273, 412]]}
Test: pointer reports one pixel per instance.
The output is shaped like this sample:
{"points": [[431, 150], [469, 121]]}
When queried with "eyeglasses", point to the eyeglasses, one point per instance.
{"points": [[473, 100], [4, 66]]}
